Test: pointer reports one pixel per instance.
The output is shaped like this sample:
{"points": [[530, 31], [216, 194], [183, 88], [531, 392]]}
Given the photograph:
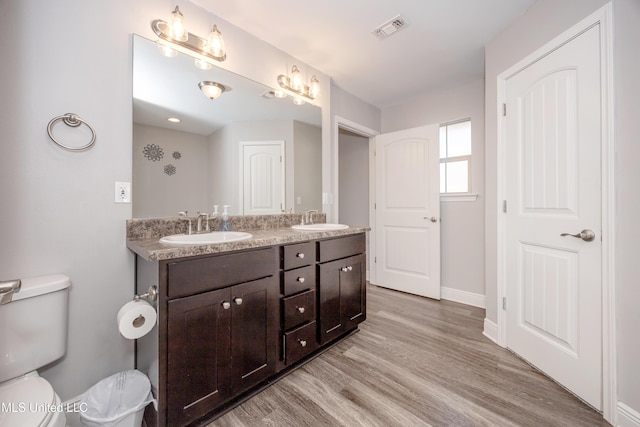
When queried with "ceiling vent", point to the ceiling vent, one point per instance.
{"points": [[390, 27]]}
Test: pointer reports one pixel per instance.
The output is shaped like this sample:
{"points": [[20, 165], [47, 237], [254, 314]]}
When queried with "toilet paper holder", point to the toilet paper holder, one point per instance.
{"points": [[151, 294]]}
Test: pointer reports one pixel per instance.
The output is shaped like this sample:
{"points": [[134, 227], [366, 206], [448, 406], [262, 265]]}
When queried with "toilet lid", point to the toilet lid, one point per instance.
{"points": [[28, 401]]}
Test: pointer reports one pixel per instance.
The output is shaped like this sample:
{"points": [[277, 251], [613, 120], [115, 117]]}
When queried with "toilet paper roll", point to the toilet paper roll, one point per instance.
{"points": [[136, 319]]}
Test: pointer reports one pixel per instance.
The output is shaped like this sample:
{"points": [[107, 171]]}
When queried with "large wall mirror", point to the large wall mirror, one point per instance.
{"points": [[247, 149]]}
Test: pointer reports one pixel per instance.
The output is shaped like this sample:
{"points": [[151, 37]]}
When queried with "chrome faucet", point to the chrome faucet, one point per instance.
{"points": [[307, 217], [184, 216], [199, 227]]}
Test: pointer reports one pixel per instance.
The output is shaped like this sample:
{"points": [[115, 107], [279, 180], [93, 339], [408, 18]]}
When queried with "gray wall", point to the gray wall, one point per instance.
{"points": [[353, 162], [307, 167], [462, 229], [544, 20], [157, 194]]}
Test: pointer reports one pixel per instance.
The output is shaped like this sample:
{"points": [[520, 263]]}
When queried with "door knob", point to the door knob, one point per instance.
{"points": [[586, 235], [431, 218]]}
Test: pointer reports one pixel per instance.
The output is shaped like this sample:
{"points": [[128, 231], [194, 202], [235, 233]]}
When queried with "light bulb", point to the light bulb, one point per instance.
{"points": [[314, 88], [216, 42], [298, 101], [166, 50], [178, 30], [279, 93], [296, 78], [202, 64]]}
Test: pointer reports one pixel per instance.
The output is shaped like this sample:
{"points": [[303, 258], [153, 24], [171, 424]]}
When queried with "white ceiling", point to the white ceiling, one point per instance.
{"points": [[442, 45]]}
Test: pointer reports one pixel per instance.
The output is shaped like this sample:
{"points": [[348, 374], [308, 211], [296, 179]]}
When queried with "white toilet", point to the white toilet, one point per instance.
{"points": [[33, 333]]}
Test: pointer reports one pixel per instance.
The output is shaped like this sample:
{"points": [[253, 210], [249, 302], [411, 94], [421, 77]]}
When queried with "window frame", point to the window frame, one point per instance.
{"points": [[459, 195]]}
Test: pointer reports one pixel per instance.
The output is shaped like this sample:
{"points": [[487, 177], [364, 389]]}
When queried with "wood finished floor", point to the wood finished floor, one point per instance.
{"points": [[415, 362]]}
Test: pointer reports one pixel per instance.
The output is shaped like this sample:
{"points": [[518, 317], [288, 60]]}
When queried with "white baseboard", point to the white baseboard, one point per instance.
{"points": [[490, 330], [627, 416], [464, 297]]}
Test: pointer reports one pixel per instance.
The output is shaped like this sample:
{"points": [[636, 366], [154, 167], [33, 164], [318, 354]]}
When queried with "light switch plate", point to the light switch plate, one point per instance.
{"points": [[123, 192]]}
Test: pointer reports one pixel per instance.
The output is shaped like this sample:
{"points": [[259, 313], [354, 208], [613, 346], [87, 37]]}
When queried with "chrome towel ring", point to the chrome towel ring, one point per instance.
{"points": [[72, 120]]}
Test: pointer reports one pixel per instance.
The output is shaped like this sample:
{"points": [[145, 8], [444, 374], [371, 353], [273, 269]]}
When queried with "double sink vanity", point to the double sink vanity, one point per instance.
{"points": [[238, 310]]}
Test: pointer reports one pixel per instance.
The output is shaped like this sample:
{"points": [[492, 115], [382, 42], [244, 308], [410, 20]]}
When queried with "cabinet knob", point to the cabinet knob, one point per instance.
{"points": [[344, 269], [300, 255], [303, 343], [350, 268], [300, 279], [226, 305], [238, 300], [300, 309]]}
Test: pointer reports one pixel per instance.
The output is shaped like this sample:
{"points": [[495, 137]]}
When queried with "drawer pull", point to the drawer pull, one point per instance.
{"points": [[300, 309], [345, 269], [226, 305], [238, 300], [300, 279], [303, 343], [300, 255]]}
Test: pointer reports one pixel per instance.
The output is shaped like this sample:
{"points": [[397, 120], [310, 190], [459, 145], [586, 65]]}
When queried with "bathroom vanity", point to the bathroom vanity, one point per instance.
{"points": [[235, 317]]}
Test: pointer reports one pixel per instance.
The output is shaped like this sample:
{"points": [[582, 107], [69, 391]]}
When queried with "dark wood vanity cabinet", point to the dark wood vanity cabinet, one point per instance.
{"points": [[230, 323]]}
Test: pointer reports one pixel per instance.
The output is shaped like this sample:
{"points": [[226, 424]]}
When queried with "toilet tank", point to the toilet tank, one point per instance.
{"points": [[33, 326]]}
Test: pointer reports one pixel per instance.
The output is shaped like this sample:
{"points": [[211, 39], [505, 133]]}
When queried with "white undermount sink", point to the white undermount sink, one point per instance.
{"points": [[206, 238], [320, 227]]}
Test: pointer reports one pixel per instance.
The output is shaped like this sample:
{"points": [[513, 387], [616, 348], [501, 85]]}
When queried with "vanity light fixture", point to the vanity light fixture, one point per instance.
{"points": [[212, 90], [295, 84], [173, 36]]}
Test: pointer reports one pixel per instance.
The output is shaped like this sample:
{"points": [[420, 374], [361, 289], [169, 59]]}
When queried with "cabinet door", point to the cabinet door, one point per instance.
{"points": [[198, 369], [254, 331], [352, 291], [342, 296]]}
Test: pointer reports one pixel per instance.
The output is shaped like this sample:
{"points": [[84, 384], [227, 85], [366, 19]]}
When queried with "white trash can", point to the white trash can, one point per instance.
{"points": [[117, 401]]}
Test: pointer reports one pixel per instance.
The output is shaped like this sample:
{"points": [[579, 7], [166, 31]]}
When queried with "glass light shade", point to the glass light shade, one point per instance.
{"points": [[202, 64], [166, 50], [178, 30], [298, 101], [279, 93], [314, 87], [216, 42], [211, 90], [296, 78]]}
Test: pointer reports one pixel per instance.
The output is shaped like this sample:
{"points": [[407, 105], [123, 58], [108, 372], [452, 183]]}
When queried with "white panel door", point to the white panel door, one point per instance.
{"points": [[553, 189], [262, 178], [408, 211]]}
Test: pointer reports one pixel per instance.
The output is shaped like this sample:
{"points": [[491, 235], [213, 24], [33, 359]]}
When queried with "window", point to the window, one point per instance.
{"points": [[455, 157]]}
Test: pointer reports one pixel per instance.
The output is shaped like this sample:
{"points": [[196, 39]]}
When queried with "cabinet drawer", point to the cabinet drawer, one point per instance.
{"points": [[294, 256], [299, 280], [298, 309], [341, 247], [205, 274], [300, 342]]}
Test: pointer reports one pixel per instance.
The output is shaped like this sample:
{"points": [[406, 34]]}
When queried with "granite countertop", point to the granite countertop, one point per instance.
{"points": [[151, 249]]}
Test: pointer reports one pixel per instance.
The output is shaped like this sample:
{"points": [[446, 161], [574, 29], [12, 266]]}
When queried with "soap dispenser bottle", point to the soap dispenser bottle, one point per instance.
{"points": [[225, 224]]}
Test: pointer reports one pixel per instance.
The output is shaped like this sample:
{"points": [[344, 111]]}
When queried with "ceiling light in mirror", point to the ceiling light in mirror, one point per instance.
{"points": [[211, 90], [174, 120]]}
